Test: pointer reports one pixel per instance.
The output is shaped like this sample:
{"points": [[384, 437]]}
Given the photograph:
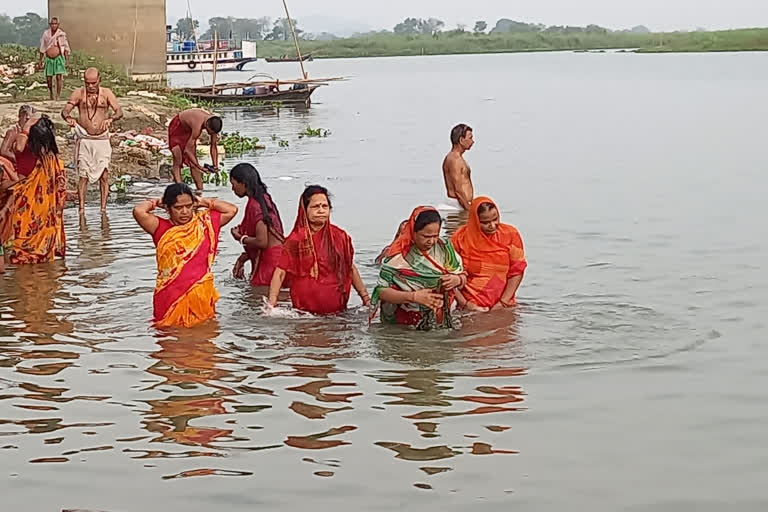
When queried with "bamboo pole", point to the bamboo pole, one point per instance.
{"points": [[197, 46], [295, 40], [135, 28], [215, 60]]}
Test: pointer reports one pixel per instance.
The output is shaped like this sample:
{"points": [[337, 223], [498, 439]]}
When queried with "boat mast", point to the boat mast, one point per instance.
{"points": [[295, 40]]}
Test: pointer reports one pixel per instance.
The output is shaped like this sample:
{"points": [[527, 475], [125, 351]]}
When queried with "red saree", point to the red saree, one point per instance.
{"points": [[184, 294], [267, 260], [490, 260], [25, 162], [319, 266]]}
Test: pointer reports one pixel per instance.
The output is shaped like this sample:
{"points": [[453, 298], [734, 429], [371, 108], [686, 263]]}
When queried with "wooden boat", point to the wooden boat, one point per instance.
{"points": [[304, 58], [288, 91]]}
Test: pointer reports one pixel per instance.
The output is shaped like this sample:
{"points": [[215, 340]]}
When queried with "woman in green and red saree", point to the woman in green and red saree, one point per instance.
{"points": [[261, 231], [419, 275], [186, 247], [317, 257]]}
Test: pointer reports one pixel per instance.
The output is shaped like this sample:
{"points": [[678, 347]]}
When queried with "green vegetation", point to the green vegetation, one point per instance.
{"points": [[462, 42], [23, 87], [314, 132], [24, 30], [216, 178], [235, 144], [755, 39]]}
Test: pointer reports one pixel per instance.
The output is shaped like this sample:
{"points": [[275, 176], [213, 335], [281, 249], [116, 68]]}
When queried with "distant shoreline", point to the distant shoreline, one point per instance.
{"points": [[390, 45]]}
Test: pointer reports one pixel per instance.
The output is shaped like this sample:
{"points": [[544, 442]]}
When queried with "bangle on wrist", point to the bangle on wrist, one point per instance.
{"points": [[242, 241]]}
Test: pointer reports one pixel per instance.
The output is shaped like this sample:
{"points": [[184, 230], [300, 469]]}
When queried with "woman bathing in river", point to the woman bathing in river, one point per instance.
{"points": [[317, 257], [38, 201], [186, 243], [493, 256], [261, 231], [420, 275]]}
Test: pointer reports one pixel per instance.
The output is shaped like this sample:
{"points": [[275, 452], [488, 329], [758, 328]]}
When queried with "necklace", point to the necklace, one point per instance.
{"points": [[88, 108]]}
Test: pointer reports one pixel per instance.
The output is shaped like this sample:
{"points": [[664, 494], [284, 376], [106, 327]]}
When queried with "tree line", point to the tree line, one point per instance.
{"points": [[267, 29], [24, 30], [260, 29]]}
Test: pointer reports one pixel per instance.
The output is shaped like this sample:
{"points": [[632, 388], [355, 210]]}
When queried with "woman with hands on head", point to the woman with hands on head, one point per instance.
{"points": [[186, 243]]}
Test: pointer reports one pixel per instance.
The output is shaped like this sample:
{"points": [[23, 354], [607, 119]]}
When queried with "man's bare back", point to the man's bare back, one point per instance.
{"points": [[183, 133], [456, 172], [194, 120]]}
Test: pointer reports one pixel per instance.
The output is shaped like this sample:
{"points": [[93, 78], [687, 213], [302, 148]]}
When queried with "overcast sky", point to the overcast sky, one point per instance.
{"points": [[656, 14]]}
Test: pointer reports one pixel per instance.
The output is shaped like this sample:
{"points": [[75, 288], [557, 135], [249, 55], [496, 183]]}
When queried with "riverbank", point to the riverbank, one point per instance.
{"points": [[141, 116], [455, 42], [137, 139]]}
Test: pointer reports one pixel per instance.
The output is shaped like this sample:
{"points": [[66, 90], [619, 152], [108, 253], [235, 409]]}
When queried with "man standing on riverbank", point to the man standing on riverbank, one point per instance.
{"points": [[183, 132], [456, 171], [93, 150], [54, 48]]}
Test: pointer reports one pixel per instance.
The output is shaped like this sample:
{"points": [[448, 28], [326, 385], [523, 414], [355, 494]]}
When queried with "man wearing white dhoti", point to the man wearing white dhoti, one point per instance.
{"points": [[93, 150]]}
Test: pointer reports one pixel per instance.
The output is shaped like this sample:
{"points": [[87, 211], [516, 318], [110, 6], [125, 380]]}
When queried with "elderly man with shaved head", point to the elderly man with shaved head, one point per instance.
{"points": [[92, 148]]}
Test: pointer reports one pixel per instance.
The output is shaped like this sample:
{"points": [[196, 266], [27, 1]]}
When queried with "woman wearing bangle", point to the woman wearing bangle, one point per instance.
{"points": [[419, 275], [493, 255], [186, 243], [261, 231], [318, 259]]}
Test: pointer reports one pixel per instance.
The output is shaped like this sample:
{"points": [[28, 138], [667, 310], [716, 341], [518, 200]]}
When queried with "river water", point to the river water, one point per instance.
{"points": [[630, 377]]}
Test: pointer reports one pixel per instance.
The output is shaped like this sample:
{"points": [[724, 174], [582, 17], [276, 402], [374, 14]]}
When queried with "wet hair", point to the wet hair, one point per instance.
{"points": [[42, 137], [426, 218], [312, 190], [215, 124], [459, 132], [27, 110], [256, 190], [485, 207], [173, 191]]}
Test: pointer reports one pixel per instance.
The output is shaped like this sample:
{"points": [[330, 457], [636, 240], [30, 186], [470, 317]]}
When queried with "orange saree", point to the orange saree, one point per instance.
{"points": [[37, 206], [185, 295], [6, 200], [490, 260]]}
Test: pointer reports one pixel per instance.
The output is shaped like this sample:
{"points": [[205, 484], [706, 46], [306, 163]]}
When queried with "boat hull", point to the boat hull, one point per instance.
{"points": [[290, 96], [193, 66]]}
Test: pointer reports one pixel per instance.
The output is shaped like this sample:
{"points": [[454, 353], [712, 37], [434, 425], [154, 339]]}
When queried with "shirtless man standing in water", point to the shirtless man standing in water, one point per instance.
{"points": [[93, 150], [456, 171]]}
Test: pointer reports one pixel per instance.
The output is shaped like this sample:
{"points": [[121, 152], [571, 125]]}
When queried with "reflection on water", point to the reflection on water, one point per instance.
{"points": [[636, 294]]}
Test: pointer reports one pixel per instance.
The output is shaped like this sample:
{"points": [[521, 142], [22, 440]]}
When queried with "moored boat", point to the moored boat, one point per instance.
{"points": [[190, 56], [297, 92]]}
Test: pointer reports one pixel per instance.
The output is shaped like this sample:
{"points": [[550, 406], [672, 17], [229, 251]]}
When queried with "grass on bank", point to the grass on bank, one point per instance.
{"points": [[390, 45], [17, 56]]}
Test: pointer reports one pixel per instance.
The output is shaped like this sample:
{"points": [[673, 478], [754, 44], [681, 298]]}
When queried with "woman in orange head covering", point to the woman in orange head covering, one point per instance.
{"points": [[493, 256], [318, 258]]}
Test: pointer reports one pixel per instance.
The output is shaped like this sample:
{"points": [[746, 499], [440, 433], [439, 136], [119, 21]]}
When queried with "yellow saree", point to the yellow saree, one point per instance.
{"points": [[185, 295]]}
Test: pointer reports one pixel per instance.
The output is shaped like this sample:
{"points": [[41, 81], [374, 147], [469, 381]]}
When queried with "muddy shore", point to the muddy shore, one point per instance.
{"points": [[142, 115]]}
